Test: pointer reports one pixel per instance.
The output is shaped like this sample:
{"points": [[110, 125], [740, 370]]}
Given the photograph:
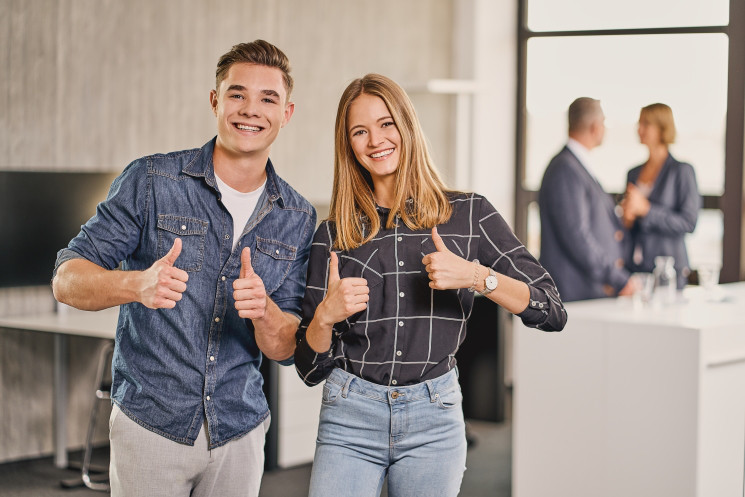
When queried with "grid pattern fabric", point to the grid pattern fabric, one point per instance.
{"points": [[409, 332]]}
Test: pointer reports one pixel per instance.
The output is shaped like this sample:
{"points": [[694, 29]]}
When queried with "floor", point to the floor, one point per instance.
{"points": [[488, 473]]}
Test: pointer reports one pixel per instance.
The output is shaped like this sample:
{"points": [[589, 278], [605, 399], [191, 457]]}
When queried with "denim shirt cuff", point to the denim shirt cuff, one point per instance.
{"points": [[63, 256]]}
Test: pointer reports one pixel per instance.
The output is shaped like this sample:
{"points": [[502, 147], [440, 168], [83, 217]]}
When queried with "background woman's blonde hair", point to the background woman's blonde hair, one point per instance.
{"points": [[661, 115], [420, 195]]}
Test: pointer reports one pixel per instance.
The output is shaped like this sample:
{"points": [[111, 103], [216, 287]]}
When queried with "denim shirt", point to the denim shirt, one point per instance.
{"points": [[173, 366]]}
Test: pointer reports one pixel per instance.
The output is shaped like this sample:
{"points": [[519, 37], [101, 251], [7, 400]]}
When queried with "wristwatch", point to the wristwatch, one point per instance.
{"points": [[490, 283]]}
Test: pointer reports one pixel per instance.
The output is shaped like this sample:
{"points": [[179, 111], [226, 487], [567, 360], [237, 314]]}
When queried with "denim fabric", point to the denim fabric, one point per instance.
{"points": [[172, 365], [414, 434]]}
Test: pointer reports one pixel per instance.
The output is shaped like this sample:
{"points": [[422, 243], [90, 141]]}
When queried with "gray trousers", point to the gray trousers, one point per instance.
{"points": [[146, 464]]}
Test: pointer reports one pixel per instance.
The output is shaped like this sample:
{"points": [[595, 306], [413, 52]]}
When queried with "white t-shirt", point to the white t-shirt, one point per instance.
{"points": [[240, 205]]}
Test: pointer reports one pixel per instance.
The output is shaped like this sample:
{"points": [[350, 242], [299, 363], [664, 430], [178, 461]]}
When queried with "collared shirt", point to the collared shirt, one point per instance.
{"points": [[409, 332], [171, 366], [583, 154]]}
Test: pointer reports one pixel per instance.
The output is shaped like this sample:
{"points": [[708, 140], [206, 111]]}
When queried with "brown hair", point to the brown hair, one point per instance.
{"points": [[258, 52], [661, 116], [420, 195]]}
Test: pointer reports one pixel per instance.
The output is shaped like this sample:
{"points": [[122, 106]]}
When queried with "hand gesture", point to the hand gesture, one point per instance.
{"points": [[249, 294], [344, 297], [445, 269], [634, 205], [163, 284]]}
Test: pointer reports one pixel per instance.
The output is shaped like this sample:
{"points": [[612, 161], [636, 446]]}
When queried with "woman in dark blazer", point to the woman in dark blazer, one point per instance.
{"points": [[661, 203]]}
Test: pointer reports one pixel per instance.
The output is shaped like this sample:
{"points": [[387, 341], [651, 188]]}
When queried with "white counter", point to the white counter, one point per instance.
{"points": [[630, 401]]}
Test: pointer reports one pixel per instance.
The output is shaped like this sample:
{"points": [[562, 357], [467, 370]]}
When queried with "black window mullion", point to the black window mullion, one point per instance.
{"points": [[731, 202]]}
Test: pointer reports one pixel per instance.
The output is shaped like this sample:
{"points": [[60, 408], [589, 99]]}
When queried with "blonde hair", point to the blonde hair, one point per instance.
{"points": [[661, 116], [419, 196]]}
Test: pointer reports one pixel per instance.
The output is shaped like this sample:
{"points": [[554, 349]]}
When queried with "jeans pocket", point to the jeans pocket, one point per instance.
{"points": [[331, 392], [450, 399]]}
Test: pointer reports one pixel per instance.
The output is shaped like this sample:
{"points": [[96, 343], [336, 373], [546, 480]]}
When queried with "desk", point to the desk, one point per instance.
{"points": [[69, 321], [633, 401]]}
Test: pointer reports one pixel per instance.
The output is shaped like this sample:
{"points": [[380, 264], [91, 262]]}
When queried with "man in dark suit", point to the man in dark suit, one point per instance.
{"points": [[582, 238]]}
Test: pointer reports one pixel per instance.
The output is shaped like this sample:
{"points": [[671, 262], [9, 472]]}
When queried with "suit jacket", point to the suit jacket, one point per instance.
{"points": [[674, 205], [583, 242]]}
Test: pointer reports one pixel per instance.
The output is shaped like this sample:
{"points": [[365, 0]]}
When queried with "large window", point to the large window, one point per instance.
{"points": [[629, 55]]}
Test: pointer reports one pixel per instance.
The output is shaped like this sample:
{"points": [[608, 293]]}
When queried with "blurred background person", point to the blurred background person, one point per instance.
{"points": [[582, 238], [662, 201]]}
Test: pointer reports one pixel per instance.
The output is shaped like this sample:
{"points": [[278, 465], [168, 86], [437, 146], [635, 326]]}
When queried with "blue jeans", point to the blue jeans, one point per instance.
{"points": [[414, 434]]}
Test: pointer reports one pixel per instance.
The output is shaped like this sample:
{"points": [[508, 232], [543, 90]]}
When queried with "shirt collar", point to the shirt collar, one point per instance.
{"points": [[201, 166], [582, 153]]}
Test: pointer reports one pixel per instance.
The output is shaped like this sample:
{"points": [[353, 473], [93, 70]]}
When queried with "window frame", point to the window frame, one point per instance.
{"points": [[731, 201]]}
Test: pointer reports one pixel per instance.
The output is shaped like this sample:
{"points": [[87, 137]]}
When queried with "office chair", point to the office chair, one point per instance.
{"points": [[102, 392]]}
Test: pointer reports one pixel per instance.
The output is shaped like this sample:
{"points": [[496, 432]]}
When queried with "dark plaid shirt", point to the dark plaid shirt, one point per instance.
{"points": [[409, 332]]}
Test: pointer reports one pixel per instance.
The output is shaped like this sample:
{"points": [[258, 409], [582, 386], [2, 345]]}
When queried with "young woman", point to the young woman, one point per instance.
{"points": [[661, 203], [391, 280]]}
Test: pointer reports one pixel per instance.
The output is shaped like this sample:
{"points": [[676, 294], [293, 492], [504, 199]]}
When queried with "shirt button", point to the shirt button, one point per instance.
{"points": [[401, 294], [394, 382], [227, 237], [398, 353], [400, 263], [212, 358], [400, 323], [183, 227], [217, 320], [400, 238], [223, 278], [618, 235], [619, 263], [208, 397]]}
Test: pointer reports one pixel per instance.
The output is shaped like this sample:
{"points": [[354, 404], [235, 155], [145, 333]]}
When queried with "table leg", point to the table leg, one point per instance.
{"points": [[59, 403]]}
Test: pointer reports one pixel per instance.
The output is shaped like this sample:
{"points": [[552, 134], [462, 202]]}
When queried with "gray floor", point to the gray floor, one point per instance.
{"points": [[488, 473]]}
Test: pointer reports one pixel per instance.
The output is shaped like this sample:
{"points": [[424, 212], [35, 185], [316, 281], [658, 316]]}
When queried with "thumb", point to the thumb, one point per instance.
{"points": [[439, 243], [246, 268], [172, 255], [333, 268]]}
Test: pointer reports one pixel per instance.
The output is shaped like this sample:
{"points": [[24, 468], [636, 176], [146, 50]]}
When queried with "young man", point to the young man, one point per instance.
{"points": [[213, 247], [582, 239]]}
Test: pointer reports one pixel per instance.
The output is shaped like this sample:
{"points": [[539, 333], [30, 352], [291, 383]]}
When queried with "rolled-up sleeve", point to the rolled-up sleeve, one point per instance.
{"points": [[500, 249], [289, 296], [114, 231]]}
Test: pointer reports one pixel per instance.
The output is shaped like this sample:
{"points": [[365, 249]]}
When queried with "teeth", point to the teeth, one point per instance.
{"points": [[247, 128], [382, 154]]}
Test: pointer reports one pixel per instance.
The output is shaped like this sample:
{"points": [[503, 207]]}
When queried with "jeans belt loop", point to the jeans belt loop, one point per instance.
{"points": [[345, 389], [432, 392]]}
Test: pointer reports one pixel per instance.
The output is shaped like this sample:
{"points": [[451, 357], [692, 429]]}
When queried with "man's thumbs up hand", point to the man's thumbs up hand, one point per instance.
{"points": [[445, 269], [246, 268], [163, 284], [249, 292]]}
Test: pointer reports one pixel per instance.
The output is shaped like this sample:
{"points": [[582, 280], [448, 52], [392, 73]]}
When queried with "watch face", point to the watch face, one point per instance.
{"points": [[491, 282]]}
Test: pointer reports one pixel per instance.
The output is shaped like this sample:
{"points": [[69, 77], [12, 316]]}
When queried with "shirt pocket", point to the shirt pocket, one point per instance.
{"points": [[192, 232], [272, 262]]}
